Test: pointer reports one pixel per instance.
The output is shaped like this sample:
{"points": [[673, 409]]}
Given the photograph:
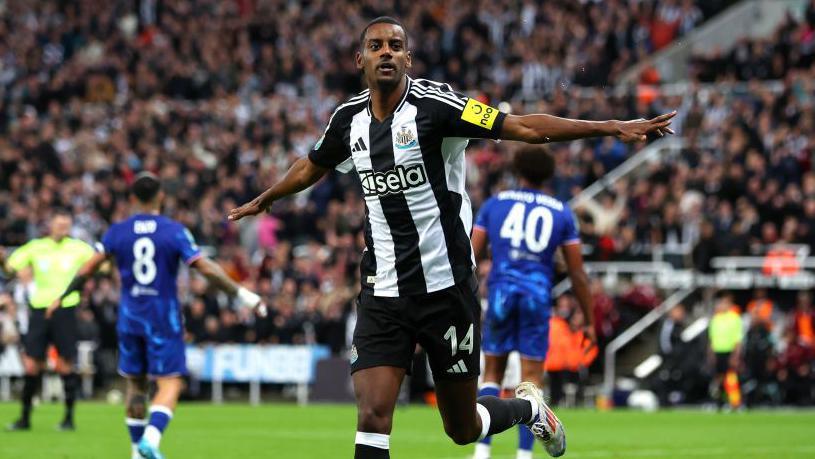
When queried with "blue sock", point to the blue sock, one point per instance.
{"points": [[159, 418], [525, 438], [136, 428], [489, 389]]}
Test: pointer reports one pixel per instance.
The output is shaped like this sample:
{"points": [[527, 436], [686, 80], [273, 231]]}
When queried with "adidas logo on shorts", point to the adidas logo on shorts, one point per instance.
{"points": [[459, 367]]}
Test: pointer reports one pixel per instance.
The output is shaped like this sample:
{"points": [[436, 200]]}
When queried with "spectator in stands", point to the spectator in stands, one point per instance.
{"points": [[803, 320], [570, 353], [761, 309], [706, 248], [8, 318], [606, 213], [672, 351], [758, 353], [606, 316], [87, 329], [795, 373]]}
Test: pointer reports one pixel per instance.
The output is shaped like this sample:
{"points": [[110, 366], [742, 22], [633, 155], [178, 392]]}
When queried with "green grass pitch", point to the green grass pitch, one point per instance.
{"points": [[327, 431]]}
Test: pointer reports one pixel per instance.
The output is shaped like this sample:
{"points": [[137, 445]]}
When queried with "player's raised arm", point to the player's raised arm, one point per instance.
{"points": [[542, 128], [301, 175]]}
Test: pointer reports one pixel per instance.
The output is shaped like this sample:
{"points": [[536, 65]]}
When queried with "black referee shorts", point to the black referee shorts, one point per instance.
{"points": [[722, 362], [446, 323], [60, 330]]}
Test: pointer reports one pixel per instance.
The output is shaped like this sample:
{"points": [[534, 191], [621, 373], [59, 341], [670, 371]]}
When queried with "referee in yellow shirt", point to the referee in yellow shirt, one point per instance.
{"points": [[726, 332], [53, 261]]}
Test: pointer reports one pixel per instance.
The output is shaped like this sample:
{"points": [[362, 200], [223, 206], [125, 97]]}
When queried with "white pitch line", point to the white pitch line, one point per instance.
{"points": [[674, 452]]}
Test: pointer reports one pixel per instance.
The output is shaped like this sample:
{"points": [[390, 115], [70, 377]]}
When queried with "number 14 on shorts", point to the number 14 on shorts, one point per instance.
{"points": [[466, 344]]}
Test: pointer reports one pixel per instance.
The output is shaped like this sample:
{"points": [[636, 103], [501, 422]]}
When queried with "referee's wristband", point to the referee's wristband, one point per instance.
{"points": [[246, 298]]}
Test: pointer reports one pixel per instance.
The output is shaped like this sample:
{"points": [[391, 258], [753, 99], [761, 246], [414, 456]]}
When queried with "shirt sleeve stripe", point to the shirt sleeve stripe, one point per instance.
{"points": [[192, 259], [431, 96], [434, 91]]}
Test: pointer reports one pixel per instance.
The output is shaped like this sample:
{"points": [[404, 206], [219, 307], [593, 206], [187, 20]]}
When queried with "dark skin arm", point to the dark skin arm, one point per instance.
{"points": [[302, 174], [479, 241], [572, 254], [542, 128]]}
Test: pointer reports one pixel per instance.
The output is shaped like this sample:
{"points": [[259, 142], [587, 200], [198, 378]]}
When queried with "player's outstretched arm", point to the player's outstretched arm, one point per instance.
{"points": [[301, 175], [572, 254], [216, 275], [84, 273], [542, 128]]}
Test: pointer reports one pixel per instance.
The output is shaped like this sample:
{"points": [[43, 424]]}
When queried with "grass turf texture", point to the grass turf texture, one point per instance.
{"points": [[320, 431]]}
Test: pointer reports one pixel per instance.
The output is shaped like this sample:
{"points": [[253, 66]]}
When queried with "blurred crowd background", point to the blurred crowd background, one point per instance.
{"points": [[219, 97]]}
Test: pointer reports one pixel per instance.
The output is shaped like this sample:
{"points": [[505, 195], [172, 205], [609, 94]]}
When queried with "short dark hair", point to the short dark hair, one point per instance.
{"points": [[381, 20], [61, 211], [146, 187], [534, 163]]}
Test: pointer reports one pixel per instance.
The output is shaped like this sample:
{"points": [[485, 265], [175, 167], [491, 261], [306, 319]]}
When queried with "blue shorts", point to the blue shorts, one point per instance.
{"points": [[151, 355], [516, 321]]}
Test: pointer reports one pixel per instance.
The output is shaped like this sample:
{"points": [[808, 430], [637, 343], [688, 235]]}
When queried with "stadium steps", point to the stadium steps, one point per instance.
{"points": [[750, 18], [643, 346]]}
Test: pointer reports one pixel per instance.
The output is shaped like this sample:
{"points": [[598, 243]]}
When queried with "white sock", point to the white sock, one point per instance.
{"points": [[535, 410], [523, 454], [375, 440], [482, 451], [484, 414], [134, 451], [152, 435]]}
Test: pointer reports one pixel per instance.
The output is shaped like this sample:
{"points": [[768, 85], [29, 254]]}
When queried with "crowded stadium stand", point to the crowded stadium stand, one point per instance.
{"points": [[219, 98]]}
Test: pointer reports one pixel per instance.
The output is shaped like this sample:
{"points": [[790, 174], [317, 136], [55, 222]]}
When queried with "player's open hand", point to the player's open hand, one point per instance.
{"points": [[252, 207], [637, 130]]}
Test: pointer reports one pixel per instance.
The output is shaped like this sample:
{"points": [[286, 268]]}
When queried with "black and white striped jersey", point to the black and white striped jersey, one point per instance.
{"points": [[411, 166]]}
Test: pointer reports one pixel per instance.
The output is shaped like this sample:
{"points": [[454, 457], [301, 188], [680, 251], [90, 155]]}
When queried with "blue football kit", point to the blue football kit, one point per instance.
{"points": [[524, 228], [148, 250]]}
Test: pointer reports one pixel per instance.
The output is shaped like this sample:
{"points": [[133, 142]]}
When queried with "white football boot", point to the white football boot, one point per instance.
{"points": [[544, 425]]}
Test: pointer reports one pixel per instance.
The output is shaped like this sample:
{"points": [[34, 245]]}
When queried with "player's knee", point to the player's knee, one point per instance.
{"points": [[137, 407], [462, 434], [374, 419]]}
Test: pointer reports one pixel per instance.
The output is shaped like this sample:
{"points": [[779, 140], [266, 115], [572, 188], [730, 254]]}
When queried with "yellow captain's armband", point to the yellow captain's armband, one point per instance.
{"points": [[479, 114]]}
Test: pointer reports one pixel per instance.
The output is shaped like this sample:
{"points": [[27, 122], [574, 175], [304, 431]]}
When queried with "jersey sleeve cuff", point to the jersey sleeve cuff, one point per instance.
{"points": [[192, 259], [571, 242], [320, 162], [498, 125], [479, 228]]}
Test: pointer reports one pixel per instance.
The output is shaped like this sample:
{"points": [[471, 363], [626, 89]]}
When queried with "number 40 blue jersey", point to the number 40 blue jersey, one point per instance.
{"points": [[148, 249], [524, 228]]}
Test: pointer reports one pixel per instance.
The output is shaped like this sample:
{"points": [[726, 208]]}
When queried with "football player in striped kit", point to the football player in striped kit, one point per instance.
{"points": [[406, 138]]}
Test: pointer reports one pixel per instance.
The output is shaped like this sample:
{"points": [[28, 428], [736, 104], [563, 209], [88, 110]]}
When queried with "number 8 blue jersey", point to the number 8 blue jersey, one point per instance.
{"points": [[148, 250], [524, 228]]}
